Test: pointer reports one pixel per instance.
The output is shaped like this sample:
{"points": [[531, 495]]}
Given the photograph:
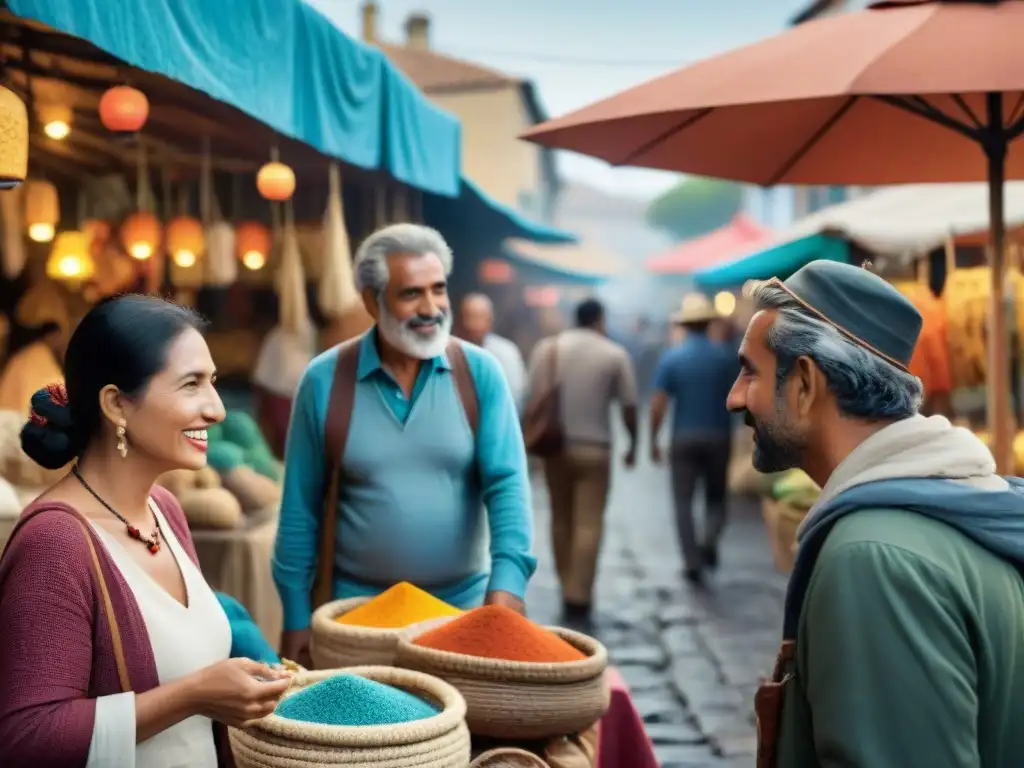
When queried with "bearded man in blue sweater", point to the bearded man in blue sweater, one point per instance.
{"points": [[431, 440]]}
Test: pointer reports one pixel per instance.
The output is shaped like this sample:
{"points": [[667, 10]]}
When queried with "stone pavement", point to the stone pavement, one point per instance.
{"points": [[692, 658]]}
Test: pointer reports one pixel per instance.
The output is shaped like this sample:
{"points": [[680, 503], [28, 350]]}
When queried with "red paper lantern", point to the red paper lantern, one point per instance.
{"points": [[252, 244], [124, 109], [140, 235], [276, 181]]}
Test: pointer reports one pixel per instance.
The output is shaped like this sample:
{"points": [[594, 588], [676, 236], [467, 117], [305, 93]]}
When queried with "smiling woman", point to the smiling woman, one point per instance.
{"points": [[101, 572]]}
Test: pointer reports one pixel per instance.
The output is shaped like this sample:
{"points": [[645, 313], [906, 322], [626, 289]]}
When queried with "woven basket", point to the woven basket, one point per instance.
{"points": [[437, 742], [782, 522], [521, 700], [335, 645], [508, 757]]}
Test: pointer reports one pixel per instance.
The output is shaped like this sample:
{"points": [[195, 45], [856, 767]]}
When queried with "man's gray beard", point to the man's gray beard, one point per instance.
{"points": [[409, 341]]}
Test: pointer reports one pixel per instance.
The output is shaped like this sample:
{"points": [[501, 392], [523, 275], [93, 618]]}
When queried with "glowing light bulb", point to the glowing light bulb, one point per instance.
{"points": [[185, 258], [141, 251], [57, 130], [41, 233], [70, 266], [725, 303], [254, 260]]}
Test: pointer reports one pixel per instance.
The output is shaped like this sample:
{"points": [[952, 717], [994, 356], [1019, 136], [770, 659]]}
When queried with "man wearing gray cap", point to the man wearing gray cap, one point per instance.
{"points": [[903, 636]]}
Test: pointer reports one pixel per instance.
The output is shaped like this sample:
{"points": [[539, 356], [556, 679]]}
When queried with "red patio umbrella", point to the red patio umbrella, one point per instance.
{"points": [[736, 237], [905, 91]]}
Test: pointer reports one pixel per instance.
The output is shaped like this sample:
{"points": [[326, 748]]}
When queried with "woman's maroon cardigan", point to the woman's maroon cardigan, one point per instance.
{"points": [[56, 651]]}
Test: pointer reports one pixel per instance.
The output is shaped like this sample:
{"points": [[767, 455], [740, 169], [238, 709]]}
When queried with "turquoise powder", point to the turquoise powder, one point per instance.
{"points": [[354, 700]]}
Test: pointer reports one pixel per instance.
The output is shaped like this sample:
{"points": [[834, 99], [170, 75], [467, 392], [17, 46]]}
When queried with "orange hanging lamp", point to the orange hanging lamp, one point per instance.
{"points": [[186, 240], [124, 109], [42, 210], [276, 181], [252, 244], [141, 234]]}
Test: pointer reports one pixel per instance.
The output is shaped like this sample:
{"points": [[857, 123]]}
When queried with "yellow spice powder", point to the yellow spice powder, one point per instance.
{"points": [[397, 607]]}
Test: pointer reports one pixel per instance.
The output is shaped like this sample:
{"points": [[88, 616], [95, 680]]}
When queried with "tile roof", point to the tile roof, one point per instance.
{"points": [[434, 72]]}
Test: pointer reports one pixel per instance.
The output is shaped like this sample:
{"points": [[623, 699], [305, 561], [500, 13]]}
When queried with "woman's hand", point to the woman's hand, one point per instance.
{"points": [[231, 692]]}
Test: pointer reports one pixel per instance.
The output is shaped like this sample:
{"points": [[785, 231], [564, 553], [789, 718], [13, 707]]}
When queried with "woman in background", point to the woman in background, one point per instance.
{"points": [[114, 651]]}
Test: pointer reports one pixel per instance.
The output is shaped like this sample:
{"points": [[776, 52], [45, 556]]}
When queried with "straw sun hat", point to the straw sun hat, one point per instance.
{"points": [[695, 308]]}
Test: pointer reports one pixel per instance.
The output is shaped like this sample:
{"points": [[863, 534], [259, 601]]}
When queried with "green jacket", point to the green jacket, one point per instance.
{"points": [[909, 651]]}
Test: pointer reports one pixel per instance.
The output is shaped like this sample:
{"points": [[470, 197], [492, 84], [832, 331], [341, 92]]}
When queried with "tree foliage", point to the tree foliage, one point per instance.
{"points": [[695, 206]]}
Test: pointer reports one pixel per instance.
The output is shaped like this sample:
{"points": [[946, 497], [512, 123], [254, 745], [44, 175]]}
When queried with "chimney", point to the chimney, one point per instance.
{"points": [[369, 12], [417, 31]]}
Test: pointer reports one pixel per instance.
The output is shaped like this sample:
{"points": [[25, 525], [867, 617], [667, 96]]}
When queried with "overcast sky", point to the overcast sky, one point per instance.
{"points": [[579, 51]]}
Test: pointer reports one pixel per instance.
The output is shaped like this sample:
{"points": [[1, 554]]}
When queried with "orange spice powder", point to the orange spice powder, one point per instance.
{"points": [[397, 607], [497, 632]]}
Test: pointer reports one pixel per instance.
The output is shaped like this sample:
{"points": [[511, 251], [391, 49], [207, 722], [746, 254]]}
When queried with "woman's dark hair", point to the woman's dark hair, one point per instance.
{"points": [[121, 341]]}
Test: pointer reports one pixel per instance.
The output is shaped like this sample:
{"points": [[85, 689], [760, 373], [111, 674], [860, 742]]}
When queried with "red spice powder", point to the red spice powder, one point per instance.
{"points": [[497, 632]]}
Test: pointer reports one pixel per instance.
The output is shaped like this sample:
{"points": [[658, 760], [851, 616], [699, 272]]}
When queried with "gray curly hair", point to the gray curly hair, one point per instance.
{"points": [[865, 385], [371, 263]]}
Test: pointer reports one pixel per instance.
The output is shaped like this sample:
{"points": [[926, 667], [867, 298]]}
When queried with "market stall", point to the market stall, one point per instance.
{"points": [[191, 164]]}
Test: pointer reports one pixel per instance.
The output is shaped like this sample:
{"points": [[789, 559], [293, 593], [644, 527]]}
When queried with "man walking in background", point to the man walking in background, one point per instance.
{"points": [[591, 372], [476, 321], [695, 378]]}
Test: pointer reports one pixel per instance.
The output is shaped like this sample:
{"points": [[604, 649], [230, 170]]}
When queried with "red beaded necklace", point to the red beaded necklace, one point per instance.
{"points": [[152, 543]]}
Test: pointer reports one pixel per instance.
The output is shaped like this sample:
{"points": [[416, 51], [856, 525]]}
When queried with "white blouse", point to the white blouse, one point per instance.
{"points": [[184, 639]]}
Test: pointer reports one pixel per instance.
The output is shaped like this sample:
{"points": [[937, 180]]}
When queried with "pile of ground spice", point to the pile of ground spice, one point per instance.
{"points": [[354, 700], [497, 632], [397, 607]]}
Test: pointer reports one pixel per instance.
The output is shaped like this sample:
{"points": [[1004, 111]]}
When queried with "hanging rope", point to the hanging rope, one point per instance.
{"points": [[380, 204], [275, 208], [141, 177], [236, 197], [206, 185]]}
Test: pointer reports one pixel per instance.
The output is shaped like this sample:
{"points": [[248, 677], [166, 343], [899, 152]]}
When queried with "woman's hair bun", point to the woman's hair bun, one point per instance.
{"points": [[48, 436]]}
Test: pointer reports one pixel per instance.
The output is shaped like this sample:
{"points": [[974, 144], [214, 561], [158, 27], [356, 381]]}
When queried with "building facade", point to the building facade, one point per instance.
{"points": [[494, 109]]}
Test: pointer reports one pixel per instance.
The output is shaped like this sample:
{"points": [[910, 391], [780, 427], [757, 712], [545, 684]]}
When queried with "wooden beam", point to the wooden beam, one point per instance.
{"points": [[62, 150]]}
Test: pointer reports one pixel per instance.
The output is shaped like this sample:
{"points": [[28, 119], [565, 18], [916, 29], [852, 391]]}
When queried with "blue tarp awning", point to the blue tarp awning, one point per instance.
{"points": [[778, 261], [284, 64], [479, 219]]}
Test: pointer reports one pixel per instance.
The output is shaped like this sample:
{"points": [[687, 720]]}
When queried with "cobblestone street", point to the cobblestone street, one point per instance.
{"points": [[692, 658]]}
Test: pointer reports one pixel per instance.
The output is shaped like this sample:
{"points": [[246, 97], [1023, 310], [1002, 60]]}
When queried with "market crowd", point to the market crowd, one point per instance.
{"points": [[407, 477]]}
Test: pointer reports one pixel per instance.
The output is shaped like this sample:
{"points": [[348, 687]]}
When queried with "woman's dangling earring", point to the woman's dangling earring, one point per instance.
{"points": [[122, 443]]}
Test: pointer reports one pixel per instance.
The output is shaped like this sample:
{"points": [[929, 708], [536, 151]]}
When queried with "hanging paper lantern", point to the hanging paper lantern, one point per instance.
{"points": [[140, 235], [42, 210], [252, 244], [13, 139], [221, 266], [70, 259], [124, 109], [276, 181], [185, 240]]}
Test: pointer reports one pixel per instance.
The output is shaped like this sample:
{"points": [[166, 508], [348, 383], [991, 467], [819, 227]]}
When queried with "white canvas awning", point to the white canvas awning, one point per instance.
{"points": [[908, 220]]}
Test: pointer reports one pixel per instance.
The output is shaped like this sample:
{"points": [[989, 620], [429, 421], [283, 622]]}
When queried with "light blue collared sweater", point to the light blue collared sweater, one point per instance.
{"points": [[412, 504]]}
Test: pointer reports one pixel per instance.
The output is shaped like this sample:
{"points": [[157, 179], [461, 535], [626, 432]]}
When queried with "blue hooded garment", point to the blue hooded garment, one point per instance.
{"points": [[246, 639], [992, 518]]}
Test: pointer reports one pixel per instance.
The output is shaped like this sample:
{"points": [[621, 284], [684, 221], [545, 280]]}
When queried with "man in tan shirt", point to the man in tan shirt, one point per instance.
{"points": [[592, 372]]}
